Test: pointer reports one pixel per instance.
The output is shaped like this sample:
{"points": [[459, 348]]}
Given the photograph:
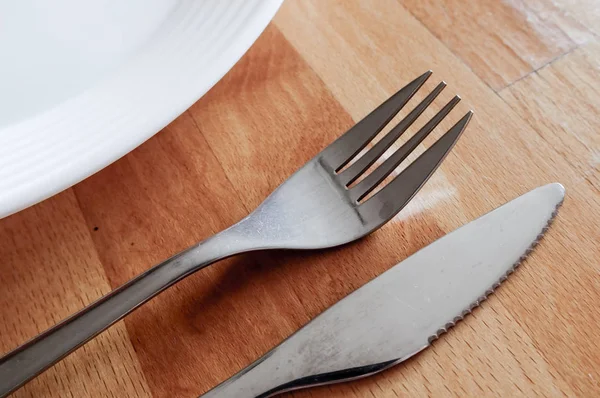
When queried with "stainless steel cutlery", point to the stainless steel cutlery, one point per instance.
{"points": [[317, 207], [402, 311]]}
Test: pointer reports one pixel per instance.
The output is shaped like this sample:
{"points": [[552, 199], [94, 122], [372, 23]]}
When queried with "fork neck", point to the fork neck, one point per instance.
{"points": [[224, 244]]}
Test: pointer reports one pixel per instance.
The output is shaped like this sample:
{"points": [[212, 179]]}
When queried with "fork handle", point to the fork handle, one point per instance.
{"points": [[32, 358]]}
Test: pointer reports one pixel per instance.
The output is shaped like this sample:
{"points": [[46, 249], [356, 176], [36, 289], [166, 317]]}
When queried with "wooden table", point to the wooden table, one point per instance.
{"points": [[529, 69]]}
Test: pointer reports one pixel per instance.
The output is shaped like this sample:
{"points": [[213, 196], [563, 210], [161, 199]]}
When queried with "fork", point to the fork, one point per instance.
{"points": [[320, 206]]}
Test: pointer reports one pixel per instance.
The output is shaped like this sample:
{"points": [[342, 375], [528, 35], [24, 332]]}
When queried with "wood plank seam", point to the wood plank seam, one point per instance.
{"points": [[142, 383], [535, 128], [199, 131], [439, 39], [573, 44], [535, 71]]}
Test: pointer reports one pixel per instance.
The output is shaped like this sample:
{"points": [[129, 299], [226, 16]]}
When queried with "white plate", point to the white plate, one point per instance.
{"points": [[84, 82]]}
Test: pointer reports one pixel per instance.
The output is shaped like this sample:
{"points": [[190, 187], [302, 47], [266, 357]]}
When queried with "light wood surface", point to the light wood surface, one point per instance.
{"points": [[529, 69]]}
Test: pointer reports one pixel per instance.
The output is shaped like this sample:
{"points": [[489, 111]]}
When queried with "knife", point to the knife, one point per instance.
{"points": [[402, 311]]}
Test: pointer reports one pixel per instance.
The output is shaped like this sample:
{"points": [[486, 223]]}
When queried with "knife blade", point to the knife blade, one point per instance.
{"points": [[402, 311]]}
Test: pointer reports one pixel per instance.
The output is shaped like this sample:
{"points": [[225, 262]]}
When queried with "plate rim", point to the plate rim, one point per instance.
{"points": [[28, 192]]}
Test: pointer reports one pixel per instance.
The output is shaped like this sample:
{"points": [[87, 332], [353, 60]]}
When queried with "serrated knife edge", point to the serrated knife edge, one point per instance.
{"points": [[502, 279]]}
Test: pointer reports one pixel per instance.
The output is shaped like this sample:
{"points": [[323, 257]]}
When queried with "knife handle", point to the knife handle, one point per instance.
{"points": [[32, 358], [306, 359], [252, 383]]}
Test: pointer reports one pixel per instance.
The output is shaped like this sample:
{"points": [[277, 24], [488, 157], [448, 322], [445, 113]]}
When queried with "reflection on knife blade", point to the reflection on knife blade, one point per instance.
{"points": [[402, 311]]}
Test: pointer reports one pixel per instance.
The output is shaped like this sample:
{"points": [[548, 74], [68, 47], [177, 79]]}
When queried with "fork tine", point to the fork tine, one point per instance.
{"points": [[356, 169], [394, 196], [342, 150], [363, 188]]}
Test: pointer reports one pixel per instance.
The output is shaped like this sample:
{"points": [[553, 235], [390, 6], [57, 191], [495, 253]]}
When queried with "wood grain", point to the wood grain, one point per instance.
{"points": [[49, 270], [527, 68], [587, 12], [569, 122], [502, 41]]}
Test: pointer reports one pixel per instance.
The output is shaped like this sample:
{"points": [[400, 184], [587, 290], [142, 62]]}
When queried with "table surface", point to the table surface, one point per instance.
{"points": [[529, 69]]}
